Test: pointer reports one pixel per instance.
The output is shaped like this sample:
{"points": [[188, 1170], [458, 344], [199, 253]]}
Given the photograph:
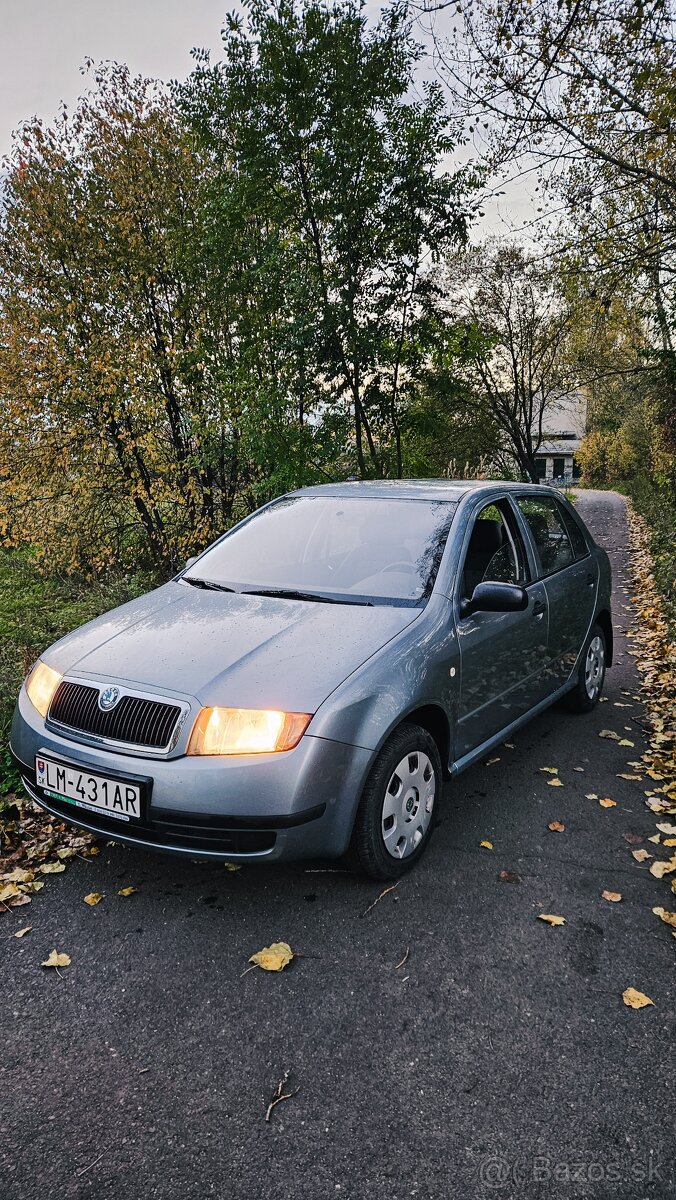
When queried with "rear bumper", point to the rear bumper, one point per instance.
{"points": [[299, 804]]}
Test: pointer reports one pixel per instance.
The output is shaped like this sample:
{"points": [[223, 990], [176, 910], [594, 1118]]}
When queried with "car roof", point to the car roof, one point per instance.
{"points": [[415, 489]]}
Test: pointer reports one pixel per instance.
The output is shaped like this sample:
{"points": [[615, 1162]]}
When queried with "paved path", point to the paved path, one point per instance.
{"points": [[501, 1050]]}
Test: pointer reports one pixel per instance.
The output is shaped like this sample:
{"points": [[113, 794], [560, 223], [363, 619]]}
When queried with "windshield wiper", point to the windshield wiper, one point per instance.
{"points": [[207, 584], [290, 594]]}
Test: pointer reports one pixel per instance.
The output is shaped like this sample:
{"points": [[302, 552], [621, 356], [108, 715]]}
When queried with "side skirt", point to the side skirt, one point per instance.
{"points": [[479, 751]]}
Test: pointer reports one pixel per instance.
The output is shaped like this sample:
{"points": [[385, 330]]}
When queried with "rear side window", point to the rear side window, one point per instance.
{"points": [[577, 538], [548, 531]]}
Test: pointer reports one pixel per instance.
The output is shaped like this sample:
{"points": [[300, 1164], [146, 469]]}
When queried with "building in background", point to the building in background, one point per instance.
{"points": [[563, 428]]}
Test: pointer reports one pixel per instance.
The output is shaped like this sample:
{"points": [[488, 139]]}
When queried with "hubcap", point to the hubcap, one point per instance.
{"points": [[408, 804], [593, 668]]}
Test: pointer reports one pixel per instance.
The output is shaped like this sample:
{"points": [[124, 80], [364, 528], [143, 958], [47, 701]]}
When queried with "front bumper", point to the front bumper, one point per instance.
{"points": [[297, 804]]}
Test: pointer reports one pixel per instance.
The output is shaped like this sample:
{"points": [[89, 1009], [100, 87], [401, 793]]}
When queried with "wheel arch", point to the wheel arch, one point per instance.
{"points": [[604, 620], [434, 720]]}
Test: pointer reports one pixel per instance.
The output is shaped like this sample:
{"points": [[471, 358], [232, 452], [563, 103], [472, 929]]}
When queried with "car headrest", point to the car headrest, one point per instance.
{"points": [[486, 536]]}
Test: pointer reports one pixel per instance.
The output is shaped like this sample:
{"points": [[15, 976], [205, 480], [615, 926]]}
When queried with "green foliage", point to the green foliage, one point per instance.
{"points": [[35, 610]]}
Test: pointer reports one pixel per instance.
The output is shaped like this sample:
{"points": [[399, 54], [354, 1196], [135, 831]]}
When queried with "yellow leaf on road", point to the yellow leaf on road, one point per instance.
{"points": [[556, 827], [551, 919], [22, 932], [56, 960], [591, 796], [128, 891], [19, 875], [274, 957], [634, 999], [662, 868], [555, 782], [614, 897], [93, 898], [491, 761], [66, 852], [606, 802], [663, 826], [669, 842], [232, 867], [669, 918], [8, 892], [641, 855], [550, 770], [636, 778], [610, 733], [625, 742], [52, 868], [486, 845]]}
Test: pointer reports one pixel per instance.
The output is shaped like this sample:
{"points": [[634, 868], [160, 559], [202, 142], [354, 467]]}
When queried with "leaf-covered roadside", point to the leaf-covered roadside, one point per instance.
{"points": [[655, 654], [34, 846]]}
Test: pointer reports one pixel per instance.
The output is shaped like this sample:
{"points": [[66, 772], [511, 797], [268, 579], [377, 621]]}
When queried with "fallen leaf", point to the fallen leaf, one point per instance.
{"points": [[490, 762], [641, 855], [591, 796], [669, 918], [486, 845], [52, 868], [636, 778], [664, 827], [550, 770], [34, 885], [231, 867], [7, 892], [655, 838], [634, 999], [128, 891], [56, 960], [556, 827], [662, 868], [606, 802], [555, 782], [509, 745], [66, 852], [22, 932], [93, 898], [274, 957], [669, 842], [580, 770], [509, 877], [19, 900], [19, 875], [614, 897], [551, 919], [609, 733], [625, 742], [634, 839]]}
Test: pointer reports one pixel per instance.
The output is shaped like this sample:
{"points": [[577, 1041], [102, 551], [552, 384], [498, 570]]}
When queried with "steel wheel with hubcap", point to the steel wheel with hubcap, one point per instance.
{"points": [[396, 814], [591, 673]]}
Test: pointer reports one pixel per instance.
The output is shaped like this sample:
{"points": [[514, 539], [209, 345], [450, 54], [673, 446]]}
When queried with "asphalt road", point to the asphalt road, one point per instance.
{"points": [[499, 1059]]}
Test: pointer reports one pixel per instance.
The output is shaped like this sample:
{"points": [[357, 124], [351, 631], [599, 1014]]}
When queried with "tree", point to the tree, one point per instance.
{"points": [[517, 329], [313, 110]]}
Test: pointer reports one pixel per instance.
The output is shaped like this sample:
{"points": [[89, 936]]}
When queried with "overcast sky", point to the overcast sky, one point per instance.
{"points": [[43, 44]]}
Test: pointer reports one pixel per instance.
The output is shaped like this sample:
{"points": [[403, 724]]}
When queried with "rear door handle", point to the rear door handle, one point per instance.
{"points": [[539, 608]]}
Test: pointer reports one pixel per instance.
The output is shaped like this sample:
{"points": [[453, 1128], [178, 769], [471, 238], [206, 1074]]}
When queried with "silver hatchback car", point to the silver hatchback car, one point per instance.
{"points": [[305, 685]]}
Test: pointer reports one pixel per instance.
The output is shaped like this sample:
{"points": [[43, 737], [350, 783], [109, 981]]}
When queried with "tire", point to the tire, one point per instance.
{"points": [[591, 673], [397, 811]]}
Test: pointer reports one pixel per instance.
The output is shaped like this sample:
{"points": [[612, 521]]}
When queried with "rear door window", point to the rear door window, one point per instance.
{"points": [[577, 538], [549, 533]]}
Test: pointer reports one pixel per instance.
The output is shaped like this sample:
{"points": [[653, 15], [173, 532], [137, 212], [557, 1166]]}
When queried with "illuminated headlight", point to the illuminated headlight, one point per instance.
{"points": [[246, 731], [41, 685]]}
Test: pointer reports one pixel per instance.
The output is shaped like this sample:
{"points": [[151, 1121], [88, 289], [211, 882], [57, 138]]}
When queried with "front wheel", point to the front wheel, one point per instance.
{"points": [[397, 810], [590, 674]]}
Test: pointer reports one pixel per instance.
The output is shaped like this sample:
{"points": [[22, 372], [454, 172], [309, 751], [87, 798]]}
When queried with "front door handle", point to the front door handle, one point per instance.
{"points": [[591, 580], [539, 608]]}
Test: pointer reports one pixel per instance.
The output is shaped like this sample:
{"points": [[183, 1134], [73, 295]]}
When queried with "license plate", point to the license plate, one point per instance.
{"points": [[98, 793]]}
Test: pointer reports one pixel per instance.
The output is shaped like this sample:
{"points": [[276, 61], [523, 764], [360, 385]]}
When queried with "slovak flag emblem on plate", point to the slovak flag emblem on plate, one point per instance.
{"points": [[41, 765]]}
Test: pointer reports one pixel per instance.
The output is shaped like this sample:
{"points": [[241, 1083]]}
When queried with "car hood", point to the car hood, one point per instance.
{"points": [[233, 650]]}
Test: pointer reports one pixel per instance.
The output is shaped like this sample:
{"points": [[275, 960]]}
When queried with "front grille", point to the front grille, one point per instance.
{"points": [[134, 720]]}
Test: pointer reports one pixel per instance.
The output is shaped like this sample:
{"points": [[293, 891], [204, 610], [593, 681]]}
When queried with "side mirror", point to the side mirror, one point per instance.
{"points": [[495, 597]]}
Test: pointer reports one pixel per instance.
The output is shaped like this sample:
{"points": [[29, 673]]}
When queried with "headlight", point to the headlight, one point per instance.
{"points": [[246, 731], [41, 685]]}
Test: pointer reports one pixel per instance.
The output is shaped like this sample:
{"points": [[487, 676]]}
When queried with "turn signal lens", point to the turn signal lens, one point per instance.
{"points": [[246, 731], [41, 685]]}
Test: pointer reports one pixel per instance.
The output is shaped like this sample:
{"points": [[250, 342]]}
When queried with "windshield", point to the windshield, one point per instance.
{"points": [[381, 550]]}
